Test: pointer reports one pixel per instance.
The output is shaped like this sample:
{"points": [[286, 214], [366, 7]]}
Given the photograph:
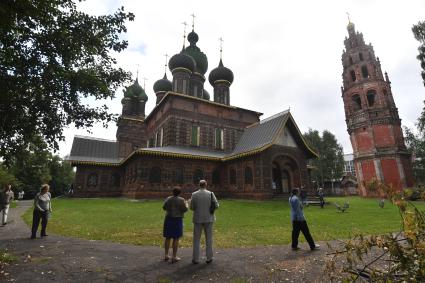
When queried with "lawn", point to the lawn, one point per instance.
{"points": [[240, 223]]}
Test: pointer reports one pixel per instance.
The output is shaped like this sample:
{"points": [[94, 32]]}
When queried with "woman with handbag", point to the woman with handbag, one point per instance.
{"points": [[42, 210], [175, 208]]}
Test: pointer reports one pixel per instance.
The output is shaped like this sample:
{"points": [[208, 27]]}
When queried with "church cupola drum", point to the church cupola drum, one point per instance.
{"points": [[372, 117]]}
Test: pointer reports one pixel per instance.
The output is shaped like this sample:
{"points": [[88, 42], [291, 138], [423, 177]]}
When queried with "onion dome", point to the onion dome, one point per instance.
{"points": [[220, 73], [162, 85], [181, 60], [193, 51], [135, 91], [206, 95]]}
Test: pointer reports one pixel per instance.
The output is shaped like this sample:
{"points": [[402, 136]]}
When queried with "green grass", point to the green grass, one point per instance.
{"points": [[240, 223]]}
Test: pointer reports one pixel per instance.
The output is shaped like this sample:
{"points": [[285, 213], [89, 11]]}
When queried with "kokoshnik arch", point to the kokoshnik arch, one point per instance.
{"points": [[188, 137]]}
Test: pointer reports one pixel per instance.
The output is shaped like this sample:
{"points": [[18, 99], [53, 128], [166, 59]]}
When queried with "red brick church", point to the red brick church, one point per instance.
{"points": [[372, 117], [190, 136]]}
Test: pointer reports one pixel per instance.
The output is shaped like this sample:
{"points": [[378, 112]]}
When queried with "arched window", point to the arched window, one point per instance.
{"points": [[248, 175], [357, 103], [197, 176], [92, 180], [350, 60], [216, 177], [353, 76], [371, 94], [365, 72], [178, 176], [361, 56], [155, 175], [232, 176]]}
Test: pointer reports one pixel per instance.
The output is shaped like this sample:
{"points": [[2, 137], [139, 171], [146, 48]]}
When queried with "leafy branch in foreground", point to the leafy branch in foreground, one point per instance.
{"points": [[394, 257]]}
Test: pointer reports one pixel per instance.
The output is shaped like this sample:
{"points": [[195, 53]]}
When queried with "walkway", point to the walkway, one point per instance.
{"points": [[62, 259]]}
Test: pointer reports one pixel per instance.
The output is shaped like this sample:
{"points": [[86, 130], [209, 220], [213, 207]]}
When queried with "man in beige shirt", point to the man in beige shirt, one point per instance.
{"points": [[203, 219]]}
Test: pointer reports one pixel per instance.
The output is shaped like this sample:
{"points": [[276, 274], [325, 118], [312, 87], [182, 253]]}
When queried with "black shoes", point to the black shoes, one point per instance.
{"points": [[209, 261]]}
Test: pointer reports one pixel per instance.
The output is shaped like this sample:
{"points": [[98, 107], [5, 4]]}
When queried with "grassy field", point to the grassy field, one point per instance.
{"points": [[240, 223]]}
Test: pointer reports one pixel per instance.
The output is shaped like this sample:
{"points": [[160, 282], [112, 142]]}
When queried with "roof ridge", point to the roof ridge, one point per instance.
{"points": [[274, 116], [93, 138]]}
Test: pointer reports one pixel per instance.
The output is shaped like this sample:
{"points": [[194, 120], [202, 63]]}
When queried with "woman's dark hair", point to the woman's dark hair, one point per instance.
{"points": [[295, 191], [177, 191]]}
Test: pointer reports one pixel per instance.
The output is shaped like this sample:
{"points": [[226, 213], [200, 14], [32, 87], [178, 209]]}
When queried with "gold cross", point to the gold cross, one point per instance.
{"points": [[193, 21]]}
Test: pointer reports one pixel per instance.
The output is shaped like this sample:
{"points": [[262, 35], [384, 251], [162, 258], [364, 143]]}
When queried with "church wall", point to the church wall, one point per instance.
{"points": [[97, 181], [391, 172], [383, 135]]}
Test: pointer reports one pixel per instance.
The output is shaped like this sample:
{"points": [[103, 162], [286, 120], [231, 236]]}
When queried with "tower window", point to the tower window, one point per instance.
{"points": [[219, 138], [195, 136], [216, 177], [357, 103], [353, 76], [361, 56], [248, 175], [365, 72], [371, 97], [350, 60]]}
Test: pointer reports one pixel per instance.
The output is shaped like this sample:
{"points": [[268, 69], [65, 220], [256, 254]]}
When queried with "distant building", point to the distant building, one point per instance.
{"points": [[372, 117], [188, 137], [349, 168]]}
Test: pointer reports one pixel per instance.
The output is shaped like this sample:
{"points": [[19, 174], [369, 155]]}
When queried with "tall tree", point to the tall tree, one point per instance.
{"points": [[419, 33], [329, 166], [51, 57]]}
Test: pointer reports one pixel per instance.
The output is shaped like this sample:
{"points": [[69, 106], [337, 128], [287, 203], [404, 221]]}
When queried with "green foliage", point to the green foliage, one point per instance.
{"points": [[240, 223], [51, 57], [6, 258], [419, 33], [330, 163], [416, 145], [392, 257], [6, 177]]}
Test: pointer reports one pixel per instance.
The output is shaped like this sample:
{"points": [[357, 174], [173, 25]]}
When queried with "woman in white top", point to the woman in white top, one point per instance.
{"points": [[42, 209]]}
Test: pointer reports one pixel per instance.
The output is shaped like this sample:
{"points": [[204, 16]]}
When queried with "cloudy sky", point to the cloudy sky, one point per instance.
{"points": [[284, 54]]}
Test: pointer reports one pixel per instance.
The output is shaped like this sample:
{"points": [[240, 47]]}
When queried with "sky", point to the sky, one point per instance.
{"points": [[284, 54]]}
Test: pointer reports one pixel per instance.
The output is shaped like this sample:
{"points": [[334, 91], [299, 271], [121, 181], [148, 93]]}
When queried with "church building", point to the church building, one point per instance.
{"points": [[190, 136], [372, 118]]}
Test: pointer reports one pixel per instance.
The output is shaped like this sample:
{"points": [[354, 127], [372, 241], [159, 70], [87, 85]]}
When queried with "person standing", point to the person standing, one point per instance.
{"points": [[203, 203], [321, 197], [7, 196], [299, 223], [21, 195], [42, 210], [175, 208]]}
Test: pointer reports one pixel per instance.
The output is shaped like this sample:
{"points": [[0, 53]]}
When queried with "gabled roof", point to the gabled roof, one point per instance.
{"points": [[255, 138], [88, 150]]}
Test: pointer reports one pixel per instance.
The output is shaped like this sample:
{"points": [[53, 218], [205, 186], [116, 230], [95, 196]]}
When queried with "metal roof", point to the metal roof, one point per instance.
{"points": [[88, 149]]}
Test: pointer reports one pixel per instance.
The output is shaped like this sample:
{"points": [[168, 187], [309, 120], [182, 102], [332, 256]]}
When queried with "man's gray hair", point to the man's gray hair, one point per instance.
{"points": [[202, 183]]}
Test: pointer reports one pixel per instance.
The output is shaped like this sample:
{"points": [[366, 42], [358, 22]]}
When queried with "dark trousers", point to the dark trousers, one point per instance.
{"points": [[298, 226], [36, 216]]}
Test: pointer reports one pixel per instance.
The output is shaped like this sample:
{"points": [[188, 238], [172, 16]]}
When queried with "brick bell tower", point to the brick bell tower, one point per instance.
{"points": [[372, 117]]}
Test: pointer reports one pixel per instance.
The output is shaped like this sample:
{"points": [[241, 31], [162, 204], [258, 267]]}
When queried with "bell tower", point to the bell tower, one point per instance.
{"points": [[372, 117]]}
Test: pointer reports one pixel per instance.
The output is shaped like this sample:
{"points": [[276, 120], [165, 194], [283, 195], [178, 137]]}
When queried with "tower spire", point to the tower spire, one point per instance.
{"points": [[166, 64], [137, 72], [221, 48], [193, 21], [348, 15], [184, 34]]}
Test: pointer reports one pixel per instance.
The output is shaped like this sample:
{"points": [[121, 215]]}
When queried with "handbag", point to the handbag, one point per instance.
{"points": [[212, 205]]}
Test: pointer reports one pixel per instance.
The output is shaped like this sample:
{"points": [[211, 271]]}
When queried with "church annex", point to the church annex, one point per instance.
{"points": [[189, 136]]}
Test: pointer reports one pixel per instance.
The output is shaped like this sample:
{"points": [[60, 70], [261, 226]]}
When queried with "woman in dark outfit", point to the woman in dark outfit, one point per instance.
{"points": [[42, 209], [175, 208]]}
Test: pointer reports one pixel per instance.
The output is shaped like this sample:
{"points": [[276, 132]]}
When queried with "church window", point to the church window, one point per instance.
{"points": [[248, 175], [194, 140], [232, 176], [353, 76], [371, 97], [178, 177], [350, 60], [357, 103], [216, 177], [361, 56], [198, 175], [115, 180], [219, 135], [365, 72], [92, 180], [155, 175]]}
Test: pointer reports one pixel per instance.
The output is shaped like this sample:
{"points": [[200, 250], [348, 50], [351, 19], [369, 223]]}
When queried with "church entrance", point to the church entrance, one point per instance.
{"points": [[285, 175]]}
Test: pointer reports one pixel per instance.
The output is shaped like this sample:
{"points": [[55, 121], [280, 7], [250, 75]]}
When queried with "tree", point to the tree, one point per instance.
{"points": [[52, 56], [62, 175], [329, 166], [419, 33]]}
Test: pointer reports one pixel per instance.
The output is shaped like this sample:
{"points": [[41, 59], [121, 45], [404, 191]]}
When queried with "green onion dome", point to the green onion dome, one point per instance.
{"points": [[181, 60], [162, 85], [135, 91], [220, 73], [193, 51]]}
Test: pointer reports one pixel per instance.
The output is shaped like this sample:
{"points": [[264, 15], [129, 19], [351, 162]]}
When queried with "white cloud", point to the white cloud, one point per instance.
{"points": [[283, 53]]}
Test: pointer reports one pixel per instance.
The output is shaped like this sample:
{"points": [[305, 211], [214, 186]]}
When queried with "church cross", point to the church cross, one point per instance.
{"points": [[137, 71], [144, 82], [193, 21], [166, 61], [184, 33], [348, 15], [221, 47]]}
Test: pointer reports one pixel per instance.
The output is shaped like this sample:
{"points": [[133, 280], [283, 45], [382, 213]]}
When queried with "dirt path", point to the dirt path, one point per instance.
{"points": [[62, 259]]}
